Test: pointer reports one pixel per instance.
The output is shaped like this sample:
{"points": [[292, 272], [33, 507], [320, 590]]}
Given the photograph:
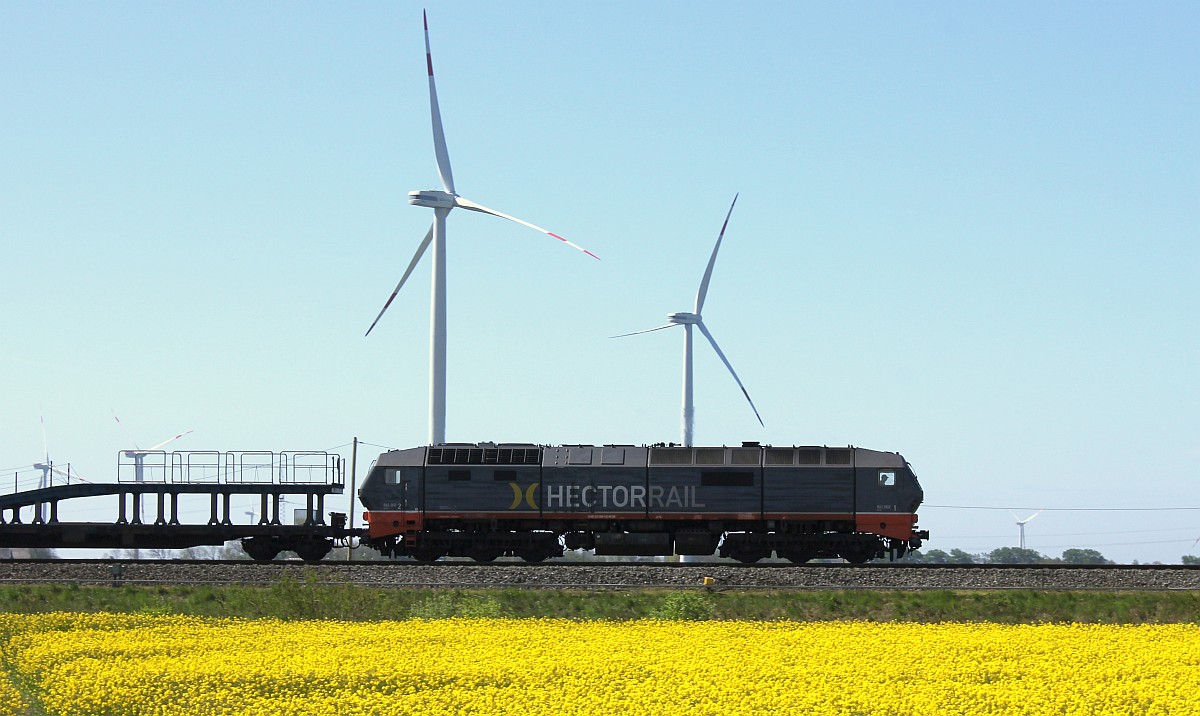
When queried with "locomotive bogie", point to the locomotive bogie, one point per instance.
{"points": [[484, 501]]}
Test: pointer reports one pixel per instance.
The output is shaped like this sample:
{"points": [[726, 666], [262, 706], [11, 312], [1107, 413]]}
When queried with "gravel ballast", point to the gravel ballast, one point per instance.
{"points": [[599, 575]]}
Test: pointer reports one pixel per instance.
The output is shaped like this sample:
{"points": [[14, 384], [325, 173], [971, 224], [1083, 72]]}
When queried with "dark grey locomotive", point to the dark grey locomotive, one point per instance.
{"points": [[487, 500]]}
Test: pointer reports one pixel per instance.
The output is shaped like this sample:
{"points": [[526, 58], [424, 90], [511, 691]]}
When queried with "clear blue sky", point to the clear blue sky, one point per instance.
{"points": [[966, 233]]}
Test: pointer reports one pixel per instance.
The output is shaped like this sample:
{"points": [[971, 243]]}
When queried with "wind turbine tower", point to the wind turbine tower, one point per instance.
{"points": [[1021, 523], [442, 201], [689, 319]]}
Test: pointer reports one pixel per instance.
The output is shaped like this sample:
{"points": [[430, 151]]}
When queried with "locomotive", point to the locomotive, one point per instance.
{"points": [[487, 500]]}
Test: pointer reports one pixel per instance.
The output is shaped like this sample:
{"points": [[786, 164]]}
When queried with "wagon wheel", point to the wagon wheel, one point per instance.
{"points": [[260, 549], [313, 550]]}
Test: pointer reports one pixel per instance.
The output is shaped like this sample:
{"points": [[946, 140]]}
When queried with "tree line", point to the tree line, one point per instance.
{"points": [[1016, 555]]}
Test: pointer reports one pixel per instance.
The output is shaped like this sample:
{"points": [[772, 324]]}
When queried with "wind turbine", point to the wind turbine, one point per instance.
{"points": [[139, 455], [442, 201], [48, 470], [687, 320], [1021, 523]]}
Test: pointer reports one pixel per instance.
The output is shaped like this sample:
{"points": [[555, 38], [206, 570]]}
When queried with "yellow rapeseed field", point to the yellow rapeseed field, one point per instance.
{"points": [[143, 664]]}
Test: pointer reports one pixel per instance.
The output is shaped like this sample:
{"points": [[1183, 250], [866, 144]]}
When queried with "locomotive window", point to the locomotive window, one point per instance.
{"points": [[741, 478], [505, 476], [391, 476], [837, 457], [745, 456], [710, 456], [779, 456], [460, 475], [887, 478], [671, 456], [809, 456]]}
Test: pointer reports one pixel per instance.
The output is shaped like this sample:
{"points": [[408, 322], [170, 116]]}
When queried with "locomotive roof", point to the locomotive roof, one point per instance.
{"points": [[661, 454]]}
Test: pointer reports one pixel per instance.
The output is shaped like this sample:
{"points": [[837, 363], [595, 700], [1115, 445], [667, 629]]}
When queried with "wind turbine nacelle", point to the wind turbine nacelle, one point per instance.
{"points": [[683, 317], [432, 198]]}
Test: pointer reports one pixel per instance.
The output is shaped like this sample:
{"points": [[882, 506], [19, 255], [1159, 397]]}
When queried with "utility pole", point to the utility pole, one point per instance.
{"points": [[353, 489]]}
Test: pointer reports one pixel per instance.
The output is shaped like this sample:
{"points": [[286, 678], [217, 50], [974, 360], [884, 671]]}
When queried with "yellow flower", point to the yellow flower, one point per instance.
{"points": [[167, 665]]}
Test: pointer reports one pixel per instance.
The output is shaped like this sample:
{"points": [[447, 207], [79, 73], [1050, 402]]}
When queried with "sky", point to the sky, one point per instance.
{"points": [[965, 232]]}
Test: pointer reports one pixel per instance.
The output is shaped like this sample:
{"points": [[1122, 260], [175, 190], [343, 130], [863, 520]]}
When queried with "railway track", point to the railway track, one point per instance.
{"points": [[604, 575]]}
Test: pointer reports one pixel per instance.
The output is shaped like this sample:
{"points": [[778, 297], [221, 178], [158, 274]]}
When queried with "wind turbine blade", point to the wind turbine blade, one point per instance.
{"points": [[407, 272], [717, 348], [70, 474], [468, 204], [648, 330], [1035, 514], [439, 136], [712, 260], [125, 430], [169, 440], [45, 443]]}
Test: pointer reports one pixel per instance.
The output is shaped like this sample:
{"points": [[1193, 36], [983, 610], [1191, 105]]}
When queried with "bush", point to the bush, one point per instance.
{"points": [[690, 606], [448, 605]]}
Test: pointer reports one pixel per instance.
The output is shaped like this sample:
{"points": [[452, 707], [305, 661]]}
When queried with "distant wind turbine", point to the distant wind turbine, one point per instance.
{"points": [[442, 202], [48, 471], [687, 320], [139, 455], [1021, 523]]}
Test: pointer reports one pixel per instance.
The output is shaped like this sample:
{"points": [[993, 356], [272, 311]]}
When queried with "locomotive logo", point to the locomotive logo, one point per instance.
{"points": [[606, 496], [528, 495]]}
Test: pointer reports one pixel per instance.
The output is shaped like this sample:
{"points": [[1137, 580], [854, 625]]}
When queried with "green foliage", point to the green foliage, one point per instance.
{"points": [[685, 605], [937, 556], [1014, 555], [1083, 556], [1190, 560], [300, 596], [448, 605]]}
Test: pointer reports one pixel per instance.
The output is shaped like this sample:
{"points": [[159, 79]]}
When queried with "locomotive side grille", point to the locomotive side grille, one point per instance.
{"points": [[455, 456], [783, 456], [839, 456], [671, 456], [809, 456], [513, 456], [484, 456], [746, 456]]}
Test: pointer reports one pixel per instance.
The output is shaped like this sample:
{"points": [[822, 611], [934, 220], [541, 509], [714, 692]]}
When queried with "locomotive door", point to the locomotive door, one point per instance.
{"points": [[409, 504]]}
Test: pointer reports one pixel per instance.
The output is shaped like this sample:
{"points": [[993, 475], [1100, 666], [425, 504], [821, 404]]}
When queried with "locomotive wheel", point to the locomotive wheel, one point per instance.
{"points": [[425, 554], [485, 554], [531, 555], [798, 556], [749, 555], [856, 554]]}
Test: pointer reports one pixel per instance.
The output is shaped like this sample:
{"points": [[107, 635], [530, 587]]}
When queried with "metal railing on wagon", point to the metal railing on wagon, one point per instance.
{"points": [[262, 467]]}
